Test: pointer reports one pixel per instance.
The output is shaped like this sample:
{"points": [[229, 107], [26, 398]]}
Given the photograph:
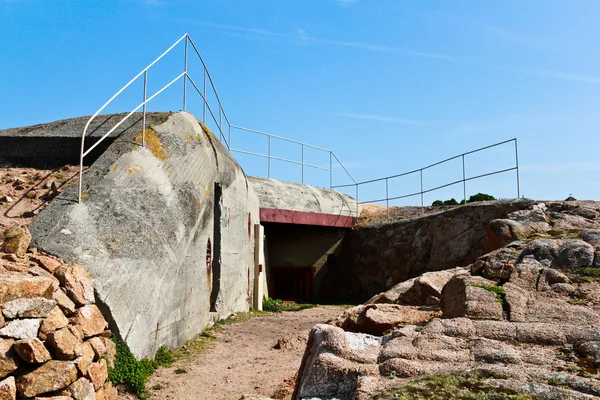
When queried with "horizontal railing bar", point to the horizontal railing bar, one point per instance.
{"points": [[131, 113], [131, 81], [280, 159], [437, 163], [279, 137], [438, 187]]}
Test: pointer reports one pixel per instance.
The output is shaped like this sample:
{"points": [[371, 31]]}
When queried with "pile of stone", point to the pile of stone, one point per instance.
{"points": [[54, 342], [521, 316]]}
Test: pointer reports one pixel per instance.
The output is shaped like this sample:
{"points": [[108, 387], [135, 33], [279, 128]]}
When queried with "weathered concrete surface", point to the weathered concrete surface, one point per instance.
{"points": [[58, 143], [143, 228], [294, 203]]}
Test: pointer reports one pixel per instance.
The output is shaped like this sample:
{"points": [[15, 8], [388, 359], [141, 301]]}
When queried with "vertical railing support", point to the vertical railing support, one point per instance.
{"points": [[204, 99], [185, 69], [330, 170], [302, 163], [357, 201], [464, 180], [221, 121], [229, 139], [422, 194], [144, 117], [517, 162], [387, 198], [269, 159]]}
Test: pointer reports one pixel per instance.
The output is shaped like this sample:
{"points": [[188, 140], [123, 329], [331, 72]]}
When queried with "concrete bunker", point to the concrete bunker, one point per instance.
{"points": [[304, 227]]}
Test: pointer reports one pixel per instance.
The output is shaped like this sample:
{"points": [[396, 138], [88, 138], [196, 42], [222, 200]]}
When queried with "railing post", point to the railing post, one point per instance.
{"points": [[229, 139], [387, 198], [464, 180], [422, 199], [302, 163], [357, 201], [185, 68], [144, 117], [269, 158], [204, 99], [330, 170], [517, 161], [221, 119]]}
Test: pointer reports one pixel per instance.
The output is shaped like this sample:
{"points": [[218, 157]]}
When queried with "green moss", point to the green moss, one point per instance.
{"points": [[450, 387], [590, 275], [498, 290], [274, 305], [129, 371]]}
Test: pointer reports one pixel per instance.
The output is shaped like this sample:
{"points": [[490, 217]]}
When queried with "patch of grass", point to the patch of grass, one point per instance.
{"points": [[275, 305], [589, 275], [158, 386], [498, 290], [180, 371], [447, 387], [129, 371]]}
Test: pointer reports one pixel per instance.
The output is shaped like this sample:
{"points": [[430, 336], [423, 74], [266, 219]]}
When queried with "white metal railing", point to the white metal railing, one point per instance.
{"points": [[221, 120], [224, 126]]}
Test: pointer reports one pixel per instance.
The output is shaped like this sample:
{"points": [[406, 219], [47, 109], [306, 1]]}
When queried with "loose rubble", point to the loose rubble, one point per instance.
{"points": [[54, 342]]}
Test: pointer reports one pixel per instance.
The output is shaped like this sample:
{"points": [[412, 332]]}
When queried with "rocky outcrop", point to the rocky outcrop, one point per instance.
{"points": [[523, 318], [53, 338]]}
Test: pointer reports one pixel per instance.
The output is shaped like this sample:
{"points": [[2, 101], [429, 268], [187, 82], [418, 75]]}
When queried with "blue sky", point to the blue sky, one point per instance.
{"points": [[388, 85]]}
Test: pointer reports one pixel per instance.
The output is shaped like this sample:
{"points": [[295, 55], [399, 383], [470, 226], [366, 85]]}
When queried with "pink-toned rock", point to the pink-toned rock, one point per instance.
{"points": [[90, 319], [82, 389], [63, 344], [54, 398], [85, 356], [9, 361], [14, 287], [16, 240], [48, 263], [32, 351], [77, 282], [97, 373], [467, 296], [64, 302], [50, 377], [54, 321], [110, 392], [111, 351], [8, 389]]}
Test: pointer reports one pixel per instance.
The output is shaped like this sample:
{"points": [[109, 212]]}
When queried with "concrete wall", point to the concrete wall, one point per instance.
{"points": [[143, 228], [302, 246]]}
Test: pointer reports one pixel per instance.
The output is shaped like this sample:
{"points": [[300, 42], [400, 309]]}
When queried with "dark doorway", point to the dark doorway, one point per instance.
{"points": [[216, 254], [292, 283]]}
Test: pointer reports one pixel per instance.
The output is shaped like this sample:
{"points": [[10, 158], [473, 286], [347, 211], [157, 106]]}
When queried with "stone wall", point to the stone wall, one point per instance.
{"points": [[53, 339], [146, 232], [374, 258]]}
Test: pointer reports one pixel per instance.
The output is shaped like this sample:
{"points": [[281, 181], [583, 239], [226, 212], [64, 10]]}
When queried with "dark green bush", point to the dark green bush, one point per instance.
{"points": [[437, 203], [451, 202], [164, 357], [480, 197], [276, 305]]}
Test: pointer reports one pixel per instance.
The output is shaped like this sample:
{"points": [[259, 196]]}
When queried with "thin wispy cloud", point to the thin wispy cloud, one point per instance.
{"points": [[382, 118], [302, 37], [509, 36]]}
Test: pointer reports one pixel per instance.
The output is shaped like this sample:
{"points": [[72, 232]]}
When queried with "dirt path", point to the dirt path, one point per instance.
{"points": [[243, 360]]}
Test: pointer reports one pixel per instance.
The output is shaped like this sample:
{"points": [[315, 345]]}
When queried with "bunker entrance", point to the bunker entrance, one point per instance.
{"points": [[297, 259]]}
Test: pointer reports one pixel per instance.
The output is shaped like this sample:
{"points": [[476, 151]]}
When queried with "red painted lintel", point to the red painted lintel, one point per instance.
{"points": [[305, 218]]}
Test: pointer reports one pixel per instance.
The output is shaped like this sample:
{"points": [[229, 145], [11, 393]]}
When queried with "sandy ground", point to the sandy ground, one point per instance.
{"points": [[243, 360]]}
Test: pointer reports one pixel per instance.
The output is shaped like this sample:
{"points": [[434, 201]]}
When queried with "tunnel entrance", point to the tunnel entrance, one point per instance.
{"points": [[296, 259]]}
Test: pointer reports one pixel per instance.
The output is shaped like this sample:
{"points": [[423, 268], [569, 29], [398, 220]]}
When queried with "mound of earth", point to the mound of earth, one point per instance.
{"points": [[520, 322]]}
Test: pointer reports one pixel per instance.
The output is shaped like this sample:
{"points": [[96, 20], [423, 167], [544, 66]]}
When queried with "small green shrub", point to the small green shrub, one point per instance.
{"points": [[164, 357], [451, 202], [128, 371], [133, 373], [480, 197], [437, 203], [489, 288], [276, 305]]}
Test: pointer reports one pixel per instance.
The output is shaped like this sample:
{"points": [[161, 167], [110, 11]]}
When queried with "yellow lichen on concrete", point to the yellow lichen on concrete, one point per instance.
{"points": [[134, 168], [153, 143]]}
